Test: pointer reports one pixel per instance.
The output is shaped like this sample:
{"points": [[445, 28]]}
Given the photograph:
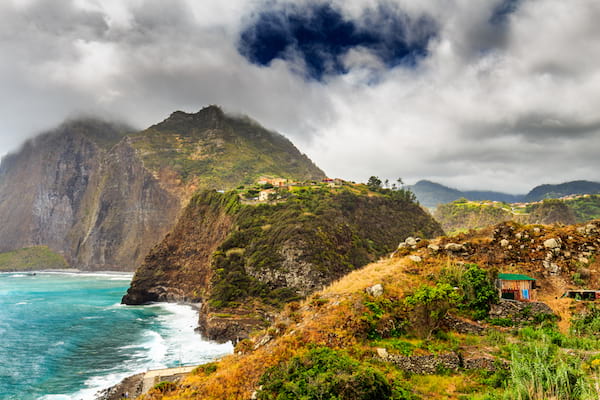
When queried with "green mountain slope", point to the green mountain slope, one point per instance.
{"points": [[462, 215], [217, 151], [31, 259], [432, 194], [585, 207]]}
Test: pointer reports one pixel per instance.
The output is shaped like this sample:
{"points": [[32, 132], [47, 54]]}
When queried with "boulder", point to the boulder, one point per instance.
{"points": [[434, 248], [411, 241], [375, 290], [416, 259], [454, 247], [552, 243]]}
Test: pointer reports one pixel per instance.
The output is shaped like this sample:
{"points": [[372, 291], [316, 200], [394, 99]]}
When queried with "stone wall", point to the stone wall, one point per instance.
{"points": [[519, 311], [436, 363]]}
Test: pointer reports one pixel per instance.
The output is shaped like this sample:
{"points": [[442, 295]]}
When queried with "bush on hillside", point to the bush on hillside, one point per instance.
{"points": [[323, 373], [428, 305], [476, 287]]}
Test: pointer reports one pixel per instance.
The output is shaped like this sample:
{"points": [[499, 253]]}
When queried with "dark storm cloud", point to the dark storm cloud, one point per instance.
{"points": [[320, 35], [503, 10]]}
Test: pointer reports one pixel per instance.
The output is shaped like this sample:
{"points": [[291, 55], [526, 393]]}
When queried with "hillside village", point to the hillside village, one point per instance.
{"points": [[274, 188]]}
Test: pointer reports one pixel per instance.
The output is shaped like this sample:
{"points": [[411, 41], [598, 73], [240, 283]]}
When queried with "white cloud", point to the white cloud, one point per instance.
{"points": [[494, 106]]}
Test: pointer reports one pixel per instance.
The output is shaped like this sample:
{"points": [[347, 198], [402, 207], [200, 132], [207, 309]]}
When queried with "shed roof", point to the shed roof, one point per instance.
{"points": [[515, 277]]}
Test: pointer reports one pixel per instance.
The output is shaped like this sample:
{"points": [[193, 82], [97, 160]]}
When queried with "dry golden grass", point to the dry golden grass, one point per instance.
{"points": [[328, 318]]}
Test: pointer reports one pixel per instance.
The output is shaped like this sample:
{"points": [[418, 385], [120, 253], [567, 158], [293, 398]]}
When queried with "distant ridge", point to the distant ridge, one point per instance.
{"points": [[431, 194], [564, 189]]}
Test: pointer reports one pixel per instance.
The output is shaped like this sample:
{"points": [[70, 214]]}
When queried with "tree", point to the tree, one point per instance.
{"points": [[374, 183]]}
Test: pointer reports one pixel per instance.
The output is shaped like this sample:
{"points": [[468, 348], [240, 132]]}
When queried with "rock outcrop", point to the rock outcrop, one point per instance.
{"points": [[243, 261]]}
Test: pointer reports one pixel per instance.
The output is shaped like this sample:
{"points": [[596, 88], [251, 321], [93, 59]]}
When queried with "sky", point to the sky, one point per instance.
{"points": [[496, 94]]}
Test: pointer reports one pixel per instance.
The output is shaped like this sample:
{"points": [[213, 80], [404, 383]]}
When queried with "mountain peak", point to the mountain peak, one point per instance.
{"points": [[212, 111]]}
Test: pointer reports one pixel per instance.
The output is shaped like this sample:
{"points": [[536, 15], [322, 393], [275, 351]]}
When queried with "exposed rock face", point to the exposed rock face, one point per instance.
{"points": [[102, 194], [178, 269], [95, 204]]}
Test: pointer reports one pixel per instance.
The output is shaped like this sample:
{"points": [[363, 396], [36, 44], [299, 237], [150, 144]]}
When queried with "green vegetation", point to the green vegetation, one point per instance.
{"points": [[585, 208], [220, 151], [31, 258], [462, 214], [587, 323], [541, 369], [428, 305], [164, 387], [549, 212], [323, 373], [331, 231], [476, 288]]}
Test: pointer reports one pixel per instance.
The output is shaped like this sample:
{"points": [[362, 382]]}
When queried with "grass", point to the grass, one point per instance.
{"points": [[31, 258]]}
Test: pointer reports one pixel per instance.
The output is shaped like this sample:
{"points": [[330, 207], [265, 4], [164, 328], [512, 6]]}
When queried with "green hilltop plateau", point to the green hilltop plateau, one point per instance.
{"points": [[244, 259], [31, 259], [431, 194]]}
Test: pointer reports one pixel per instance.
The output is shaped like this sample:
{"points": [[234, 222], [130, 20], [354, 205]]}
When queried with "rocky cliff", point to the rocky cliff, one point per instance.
{"points": [[243, 261], [102, 194], [82, 191]]}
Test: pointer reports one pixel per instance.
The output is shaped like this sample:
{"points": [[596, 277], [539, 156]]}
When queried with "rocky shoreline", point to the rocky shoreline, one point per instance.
{"points": [[130, 387]]}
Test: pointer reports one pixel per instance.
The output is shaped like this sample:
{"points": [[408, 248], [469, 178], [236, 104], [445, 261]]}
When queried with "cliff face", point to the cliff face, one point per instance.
{"points": [[177, 269], [102, 194], [83, 197], [127, 212], [242, 262]]}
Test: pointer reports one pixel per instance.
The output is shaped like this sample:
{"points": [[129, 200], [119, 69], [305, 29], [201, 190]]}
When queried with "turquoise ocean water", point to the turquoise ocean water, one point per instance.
{"points": [[65, 336]]}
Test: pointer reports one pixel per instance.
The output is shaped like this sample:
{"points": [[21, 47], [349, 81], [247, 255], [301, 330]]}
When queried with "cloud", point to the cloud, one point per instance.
{"points": [[492, 95], [319, 36]]}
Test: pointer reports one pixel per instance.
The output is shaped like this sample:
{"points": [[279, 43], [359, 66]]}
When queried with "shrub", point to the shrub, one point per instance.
{"points": [[323, 373], [165, 387], [428, 306], [477, 289], [587, 323]]}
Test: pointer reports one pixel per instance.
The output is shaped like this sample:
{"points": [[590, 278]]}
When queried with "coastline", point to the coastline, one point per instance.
{"points": [[73, 271], [166, 339]]}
